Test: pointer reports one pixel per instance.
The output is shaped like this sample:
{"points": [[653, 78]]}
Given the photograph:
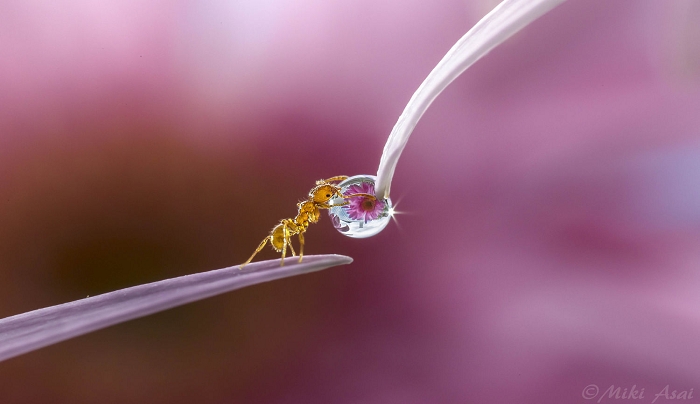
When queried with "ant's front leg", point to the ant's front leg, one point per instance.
{"points": [[372, 197], [338, 204], [338, 178], [324, 205]]}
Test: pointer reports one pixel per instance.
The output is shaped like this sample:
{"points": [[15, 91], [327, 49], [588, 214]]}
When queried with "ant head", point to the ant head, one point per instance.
{"points": [[324, 193]]}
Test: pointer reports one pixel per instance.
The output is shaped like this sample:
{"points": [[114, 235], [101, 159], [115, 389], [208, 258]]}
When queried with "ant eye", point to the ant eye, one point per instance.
{"points": [[328, 195]]}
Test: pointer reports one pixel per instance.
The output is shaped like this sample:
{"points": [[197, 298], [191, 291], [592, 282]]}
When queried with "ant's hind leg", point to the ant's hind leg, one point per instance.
{"points": [[260, 247]]}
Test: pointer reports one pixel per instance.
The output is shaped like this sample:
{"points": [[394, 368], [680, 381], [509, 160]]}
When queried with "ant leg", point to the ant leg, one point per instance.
{"points": [[337, 178], [288, 238], [284, 247], [351, 196], [301, 246], [260, 247], [356, 195], [291, 228], [289, 243]]}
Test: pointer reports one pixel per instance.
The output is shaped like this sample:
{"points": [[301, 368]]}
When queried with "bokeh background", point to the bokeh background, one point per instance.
{"points": [[551, 199]]}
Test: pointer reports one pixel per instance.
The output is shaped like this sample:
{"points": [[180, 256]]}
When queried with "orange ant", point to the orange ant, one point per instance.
{"points": [[309, 212]]}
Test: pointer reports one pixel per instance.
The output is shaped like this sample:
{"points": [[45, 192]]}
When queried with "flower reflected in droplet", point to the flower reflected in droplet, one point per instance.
{"points": [[363, 208]]}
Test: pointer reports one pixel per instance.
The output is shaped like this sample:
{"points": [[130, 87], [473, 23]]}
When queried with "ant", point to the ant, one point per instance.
{"points": [[308, 212]]}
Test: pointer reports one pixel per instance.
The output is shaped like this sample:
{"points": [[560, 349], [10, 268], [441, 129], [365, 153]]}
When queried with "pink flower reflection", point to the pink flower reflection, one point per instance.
{"points": [[362, 208]]}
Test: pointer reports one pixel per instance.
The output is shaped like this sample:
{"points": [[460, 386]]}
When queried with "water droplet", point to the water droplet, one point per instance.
{"points": [[362, 216]]}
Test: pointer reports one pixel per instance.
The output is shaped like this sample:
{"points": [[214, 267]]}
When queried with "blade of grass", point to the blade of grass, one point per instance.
{"points": [[36, 329], [503, 21]]}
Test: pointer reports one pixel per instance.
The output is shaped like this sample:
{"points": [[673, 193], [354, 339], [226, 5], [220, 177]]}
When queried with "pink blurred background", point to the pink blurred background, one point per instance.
{"points": [[551, 232]]}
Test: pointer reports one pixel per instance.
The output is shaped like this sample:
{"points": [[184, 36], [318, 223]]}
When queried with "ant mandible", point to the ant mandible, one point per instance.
{"points": [[309, 211]]}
